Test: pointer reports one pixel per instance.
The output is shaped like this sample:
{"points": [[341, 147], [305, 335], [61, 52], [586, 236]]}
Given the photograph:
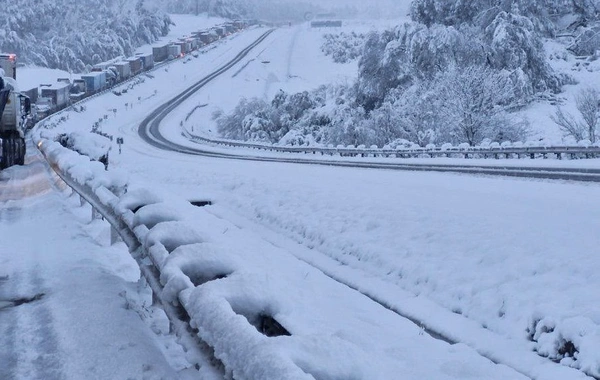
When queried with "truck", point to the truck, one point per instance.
{"points": [[135, 64], [123, 69], [184, 47], [174, 51], [147, 60], [94, 81], [8, 63], [160, 53], [207, 37], [15, 111], [58, 94]]}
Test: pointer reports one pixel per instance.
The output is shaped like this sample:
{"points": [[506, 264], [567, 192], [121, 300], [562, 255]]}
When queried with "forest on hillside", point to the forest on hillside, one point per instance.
{"points": [[269, 10], [71, 35]]}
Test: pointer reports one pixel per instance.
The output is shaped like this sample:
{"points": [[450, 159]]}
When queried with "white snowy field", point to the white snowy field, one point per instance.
{"points": [[501, 252]]}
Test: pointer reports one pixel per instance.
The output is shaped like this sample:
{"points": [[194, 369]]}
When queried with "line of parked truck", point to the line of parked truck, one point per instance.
{"points": [[50, 98]]}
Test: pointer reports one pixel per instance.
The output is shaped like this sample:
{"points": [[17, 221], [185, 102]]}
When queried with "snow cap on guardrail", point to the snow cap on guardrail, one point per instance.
{"points": [[82, 169]]}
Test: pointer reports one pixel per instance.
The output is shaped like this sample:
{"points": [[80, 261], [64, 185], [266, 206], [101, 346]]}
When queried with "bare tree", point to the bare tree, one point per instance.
{"points": [[587, 102], [588, 105], [568, 124]]}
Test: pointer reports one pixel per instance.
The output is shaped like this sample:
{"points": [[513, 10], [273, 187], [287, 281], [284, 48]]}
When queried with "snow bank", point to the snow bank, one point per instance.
{"points": [[572, 341], [84, 171], [151, 215], [137, 198]]}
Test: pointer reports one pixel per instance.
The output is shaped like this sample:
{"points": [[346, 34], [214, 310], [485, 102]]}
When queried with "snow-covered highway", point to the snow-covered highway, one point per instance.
{"points": [[471, 258]]}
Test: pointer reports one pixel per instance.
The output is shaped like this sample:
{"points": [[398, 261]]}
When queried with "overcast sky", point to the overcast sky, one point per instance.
{"points": [[398, 4], [393, 6]]}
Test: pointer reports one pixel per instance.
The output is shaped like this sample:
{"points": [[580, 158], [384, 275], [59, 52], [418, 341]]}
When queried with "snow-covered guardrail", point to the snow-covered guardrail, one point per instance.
{"points": [[179, 263], [493, 151], [150, 229]]}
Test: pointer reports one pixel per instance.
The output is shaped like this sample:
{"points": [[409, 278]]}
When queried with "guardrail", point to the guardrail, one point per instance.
{"points": [[532, 152], [207, 326]]}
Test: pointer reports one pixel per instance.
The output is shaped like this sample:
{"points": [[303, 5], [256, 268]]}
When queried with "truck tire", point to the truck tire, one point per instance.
{"points": [[21, 151], [3, 155], [6, 153], [11, 152]]}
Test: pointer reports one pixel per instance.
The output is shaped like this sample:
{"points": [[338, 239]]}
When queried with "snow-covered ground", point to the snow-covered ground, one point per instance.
{"points": [[501, 252], [86, 319]]}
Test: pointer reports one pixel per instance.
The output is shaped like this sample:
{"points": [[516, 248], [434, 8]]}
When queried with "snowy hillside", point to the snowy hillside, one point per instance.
{"points": [[458, 73], [70, 35]]}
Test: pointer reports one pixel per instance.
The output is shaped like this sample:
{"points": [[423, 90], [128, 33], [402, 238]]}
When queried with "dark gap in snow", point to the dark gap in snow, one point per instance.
{"points": [[270, 327], [136, 209], [201, 278], [201, 203], [182, 315], [568, 349], [266, 325], [5, 304]]}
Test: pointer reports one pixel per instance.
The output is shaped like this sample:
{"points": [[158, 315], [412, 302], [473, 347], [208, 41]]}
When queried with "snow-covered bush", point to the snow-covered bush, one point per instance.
{"points": [[94, 146], [343, 47]]}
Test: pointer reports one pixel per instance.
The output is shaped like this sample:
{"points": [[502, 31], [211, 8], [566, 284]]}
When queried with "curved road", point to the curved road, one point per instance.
{"points": [[149, 131]]}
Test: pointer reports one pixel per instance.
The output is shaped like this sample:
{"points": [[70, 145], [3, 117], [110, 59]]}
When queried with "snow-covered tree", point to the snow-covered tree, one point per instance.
{"points": [[382, 67], [71, 35], [473, 102], [514, 45], [343, 47]]}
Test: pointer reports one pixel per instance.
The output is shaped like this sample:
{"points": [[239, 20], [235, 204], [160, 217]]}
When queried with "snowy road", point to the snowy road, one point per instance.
{"points": [[70, 306]]}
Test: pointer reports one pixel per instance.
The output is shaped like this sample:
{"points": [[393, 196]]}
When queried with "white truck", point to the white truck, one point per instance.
{"points": [[15, 109]]}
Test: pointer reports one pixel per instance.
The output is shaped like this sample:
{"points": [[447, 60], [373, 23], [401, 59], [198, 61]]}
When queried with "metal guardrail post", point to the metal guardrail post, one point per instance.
{"points": [[114, 236], [96, 214]]}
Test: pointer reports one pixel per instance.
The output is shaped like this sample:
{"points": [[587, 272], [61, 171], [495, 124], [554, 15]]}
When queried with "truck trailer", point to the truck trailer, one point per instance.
{"points": [[94, 81], [15, 109], [8, 62], [58, 94], [160, 53]]}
